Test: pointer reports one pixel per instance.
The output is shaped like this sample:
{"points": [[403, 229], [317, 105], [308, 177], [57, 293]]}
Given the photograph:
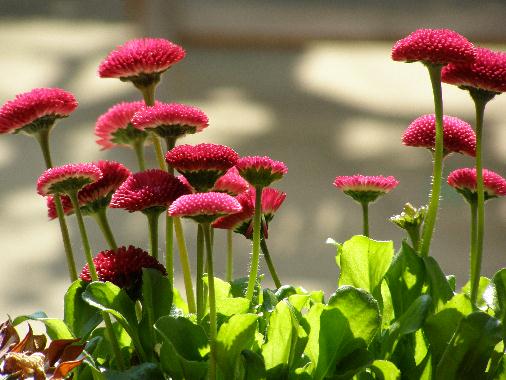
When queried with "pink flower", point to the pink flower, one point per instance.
{"points": [[114, 128], [458, 136], [36, 109], [365, 188], [434, 46], [123, 267], [204, 207], [464, 181], [51, 206], [202, 164], [231, 183], [487, 72], [272, 199], [260, 171], [170, 119], [147, 189], [140, 57], [67, 178]]}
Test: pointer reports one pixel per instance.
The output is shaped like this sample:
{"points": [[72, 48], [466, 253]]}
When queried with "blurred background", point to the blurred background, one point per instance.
{"points": [[310, 83]]}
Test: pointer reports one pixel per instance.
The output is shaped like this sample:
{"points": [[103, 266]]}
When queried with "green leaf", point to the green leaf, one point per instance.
{"points": [[441, 326], [254, 368], [352, 364], [364, 263], [178, 301], [385, 370], [482, 287], [226, 304], [439, 288], [156, 293], [234, 336], [142, 371], [498, 294], [470, 348], [55, 328], [80, 317]]}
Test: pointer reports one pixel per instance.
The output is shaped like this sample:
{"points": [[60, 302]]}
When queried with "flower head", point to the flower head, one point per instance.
{"points": [[114, 128], [365, 188], [123, 267], [67, 178], [204, 207], [458, 136], [260, 171], [487, 72], [464, 181], [141, 60], [231, 183], [434, 46], [148, 189], [172, 120], [202, 164], [39, 108]]}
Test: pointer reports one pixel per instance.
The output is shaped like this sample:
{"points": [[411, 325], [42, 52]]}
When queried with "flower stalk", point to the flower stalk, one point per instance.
{"points": [[256, 244], [100, 218], [270, 264]]}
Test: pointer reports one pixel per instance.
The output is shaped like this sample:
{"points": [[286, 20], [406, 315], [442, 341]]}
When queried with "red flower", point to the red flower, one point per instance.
{"points": [[260, 171], [434, 46], [464, 181], [365, 188], [170, 119], [231, 183], [150, 188], [487, 72], [114, 128], [123, 267], [204, 207], [140, 57], [458, 136], [67, 178], [36, 109], [51, 206], [202, 164]]}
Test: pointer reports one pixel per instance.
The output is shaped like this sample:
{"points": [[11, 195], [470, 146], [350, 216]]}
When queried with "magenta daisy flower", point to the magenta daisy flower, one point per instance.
{"points": [[123, 267], [141, 60], [51, 206], [464, 181], [365, 188], [487, 72], [67, 178], [202, 164], [204, 207], [114, 128], [149, 189], [260, 171], [37, 109], [434, 46], [170, 120], [231, 183], [458, 136]]}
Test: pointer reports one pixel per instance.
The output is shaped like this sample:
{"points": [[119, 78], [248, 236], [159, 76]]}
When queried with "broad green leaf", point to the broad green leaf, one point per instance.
{"points": [[285, 291], [387, 310], [470, 348], [482, 287], [156, 293], [226, 304], [439, 288], [441, 326], [364, 263], [234, 336], [254, 368], [497, 293], [352, 364], [55, 328], [385, 370], [405, 279], [142, 371], [80, 317], [179, 302], [298, 301]]}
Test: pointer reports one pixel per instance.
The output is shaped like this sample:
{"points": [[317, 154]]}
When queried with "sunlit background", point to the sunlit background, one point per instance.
{"points": [[310, 83]]}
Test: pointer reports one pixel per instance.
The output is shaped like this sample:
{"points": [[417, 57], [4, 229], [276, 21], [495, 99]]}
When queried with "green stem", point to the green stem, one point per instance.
{"points": [[101, 219], [158, 151], [365, 218], [153, 231], [169, 247], [212, 301], [474, 207], [256, 244], [138, 146], [230, 256], [414, 235], [200, 273], [430, 219], [42, 138], [93, 273], [185, 265], [270, 264]]}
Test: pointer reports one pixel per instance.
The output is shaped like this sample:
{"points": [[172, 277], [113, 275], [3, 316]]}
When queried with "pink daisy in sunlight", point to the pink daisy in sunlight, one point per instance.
{"points": [[202, 164], [365, 188], [204, 207], [231, 183], [67, 178], [458, 136], [464, 181], [39, 108], [434, 46], [138, 58], [147, 189], [487, 72], [260, 170]]}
